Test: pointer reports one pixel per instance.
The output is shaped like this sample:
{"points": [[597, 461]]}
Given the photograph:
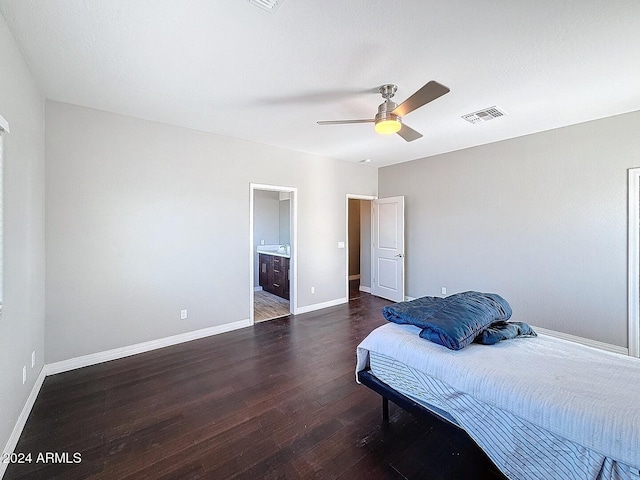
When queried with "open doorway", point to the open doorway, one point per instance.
{"points": [[358, 245], [273, 251]]}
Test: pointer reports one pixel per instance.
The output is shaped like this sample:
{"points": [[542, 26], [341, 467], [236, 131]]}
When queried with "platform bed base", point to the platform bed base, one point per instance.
{"points": [[387, 393]]}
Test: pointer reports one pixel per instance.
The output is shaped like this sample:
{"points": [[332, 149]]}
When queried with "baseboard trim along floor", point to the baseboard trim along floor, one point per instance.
{"points": [[22, 419], [121, 352]]}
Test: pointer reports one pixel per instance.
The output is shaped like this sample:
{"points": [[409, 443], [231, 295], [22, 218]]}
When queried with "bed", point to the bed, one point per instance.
{"points": [[539, 407]]}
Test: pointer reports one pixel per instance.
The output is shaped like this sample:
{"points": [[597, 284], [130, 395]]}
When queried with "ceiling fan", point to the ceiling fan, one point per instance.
{"points": [[389, 117]]}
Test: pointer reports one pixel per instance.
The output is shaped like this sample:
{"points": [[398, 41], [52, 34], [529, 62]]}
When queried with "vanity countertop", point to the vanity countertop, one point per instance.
{"points": [[275, 250]]}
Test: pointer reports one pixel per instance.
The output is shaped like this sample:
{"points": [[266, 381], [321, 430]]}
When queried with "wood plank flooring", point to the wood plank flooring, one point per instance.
{"points": [[276, 400], [354, 289], [267, 306]]}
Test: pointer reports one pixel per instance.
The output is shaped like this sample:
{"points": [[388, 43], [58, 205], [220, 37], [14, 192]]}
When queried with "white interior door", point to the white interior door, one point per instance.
{"points": [[388, 248]]}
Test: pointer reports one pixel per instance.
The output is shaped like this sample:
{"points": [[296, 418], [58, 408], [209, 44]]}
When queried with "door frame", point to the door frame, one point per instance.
{"points": [[633, 259], [293, 260], [355, 196]]}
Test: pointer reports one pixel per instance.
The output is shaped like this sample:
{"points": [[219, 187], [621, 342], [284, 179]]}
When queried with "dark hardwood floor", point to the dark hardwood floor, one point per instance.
{"points": [[354, 289], [277, 400]]}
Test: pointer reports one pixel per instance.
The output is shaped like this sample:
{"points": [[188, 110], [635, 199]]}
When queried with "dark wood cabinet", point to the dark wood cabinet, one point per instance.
{"points": [[265, 267], [274, 274]]}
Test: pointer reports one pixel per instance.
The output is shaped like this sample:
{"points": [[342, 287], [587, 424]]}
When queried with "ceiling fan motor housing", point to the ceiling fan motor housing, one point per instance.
{"points": [[384, 112]]}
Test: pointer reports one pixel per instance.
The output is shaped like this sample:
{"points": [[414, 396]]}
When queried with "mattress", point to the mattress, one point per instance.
{"points": [[506, 398]]}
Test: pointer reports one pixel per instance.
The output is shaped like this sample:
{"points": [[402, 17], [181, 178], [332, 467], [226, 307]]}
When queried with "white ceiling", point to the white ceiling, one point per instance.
{"points": [[228, 67]]}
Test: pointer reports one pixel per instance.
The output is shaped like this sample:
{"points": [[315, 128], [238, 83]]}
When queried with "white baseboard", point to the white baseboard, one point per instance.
{"points": [[99, 357], [257, 289], [94, 358], [354, 277], [319, 306], [365, 289], [584, 341], [22, 419]]}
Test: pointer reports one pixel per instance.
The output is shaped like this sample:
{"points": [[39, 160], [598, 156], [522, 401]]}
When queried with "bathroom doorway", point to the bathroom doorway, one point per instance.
{"points": [[358, 245], [273, 252]]}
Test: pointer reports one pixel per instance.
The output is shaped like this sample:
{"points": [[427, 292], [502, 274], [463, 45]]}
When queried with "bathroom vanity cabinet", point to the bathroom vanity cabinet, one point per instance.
{"points": [[274, 274]]}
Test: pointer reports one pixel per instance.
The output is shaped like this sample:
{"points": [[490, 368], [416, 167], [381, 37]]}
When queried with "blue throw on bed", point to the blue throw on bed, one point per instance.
{"points": [[499, 331], [454, 321]]}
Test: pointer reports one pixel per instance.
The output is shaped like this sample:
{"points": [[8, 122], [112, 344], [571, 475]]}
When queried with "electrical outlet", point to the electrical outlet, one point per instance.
{"points": [[33, 359], [443, 290], [183, 314], [24, 374], [313, 289], [340, 244]]}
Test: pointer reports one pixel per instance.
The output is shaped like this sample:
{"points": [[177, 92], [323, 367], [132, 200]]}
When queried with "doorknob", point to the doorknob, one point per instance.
{"points": [[400, 255]]}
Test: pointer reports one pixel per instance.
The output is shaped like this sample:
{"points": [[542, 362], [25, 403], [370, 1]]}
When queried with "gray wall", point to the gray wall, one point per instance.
{"points": [[540, 219], [266, 219], [145, 219], [284, 210], [22, 318]]}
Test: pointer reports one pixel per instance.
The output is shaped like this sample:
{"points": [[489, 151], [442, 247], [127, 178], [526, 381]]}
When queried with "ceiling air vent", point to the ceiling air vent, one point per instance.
{"points": [[484, 115], [268, 5]]}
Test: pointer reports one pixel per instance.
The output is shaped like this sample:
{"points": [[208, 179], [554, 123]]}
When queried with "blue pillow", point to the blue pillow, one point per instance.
{"points": [[504, 331], [413, 312], [454, 321]]}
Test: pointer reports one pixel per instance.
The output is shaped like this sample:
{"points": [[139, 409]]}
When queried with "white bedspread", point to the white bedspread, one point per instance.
{"points": [[583, 394]]}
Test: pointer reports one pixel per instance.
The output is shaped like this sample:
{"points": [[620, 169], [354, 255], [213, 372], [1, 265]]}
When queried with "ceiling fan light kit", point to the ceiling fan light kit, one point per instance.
{"points": [[389, 117], [386, 121], [386, 127]]}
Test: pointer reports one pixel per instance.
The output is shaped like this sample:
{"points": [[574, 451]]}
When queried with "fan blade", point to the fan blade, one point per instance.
{"points": [[408, 133], [426, 94], [343, 122]]}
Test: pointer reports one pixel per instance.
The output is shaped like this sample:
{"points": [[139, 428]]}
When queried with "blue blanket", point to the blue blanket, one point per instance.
{"points": [[454, 321], [496, 332]]}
